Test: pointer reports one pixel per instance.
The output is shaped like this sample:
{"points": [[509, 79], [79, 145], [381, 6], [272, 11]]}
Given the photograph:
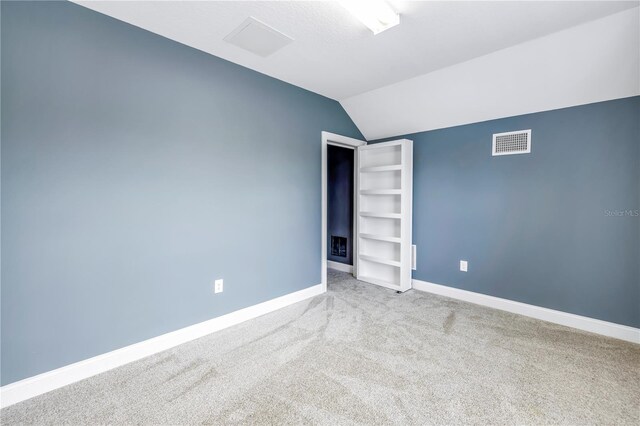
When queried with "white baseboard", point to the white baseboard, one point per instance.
{"points": [[28, 388], [592, 325], [340, 266]]}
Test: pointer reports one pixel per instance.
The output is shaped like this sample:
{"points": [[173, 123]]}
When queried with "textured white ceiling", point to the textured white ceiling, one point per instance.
{"points": [[334, 55], [592, 62]]}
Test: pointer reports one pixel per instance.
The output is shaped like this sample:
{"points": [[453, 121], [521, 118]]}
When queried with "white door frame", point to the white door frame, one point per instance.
{"points": [[344, 142]]}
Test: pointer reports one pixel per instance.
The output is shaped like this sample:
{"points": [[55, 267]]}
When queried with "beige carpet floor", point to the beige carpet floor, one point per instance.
{"points": [[361, 354]]}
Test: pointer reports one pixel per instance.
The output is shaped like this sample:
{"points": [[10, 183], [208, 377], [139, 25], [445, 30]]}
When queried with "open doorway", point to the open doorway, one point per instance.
{"points": [[381, 229], [340, 208], [341, 226]]}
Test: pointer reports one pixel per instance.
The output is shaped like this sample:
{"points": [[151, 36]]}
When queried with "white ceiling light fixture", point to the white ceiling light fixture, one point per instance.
{"points": [[377, 15]]}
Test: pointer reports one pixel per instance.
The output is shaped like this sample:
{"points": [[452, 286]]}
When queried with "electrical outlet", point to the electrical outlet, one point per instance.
{"points": [[463, 265], [219, 286], [414, 256]]}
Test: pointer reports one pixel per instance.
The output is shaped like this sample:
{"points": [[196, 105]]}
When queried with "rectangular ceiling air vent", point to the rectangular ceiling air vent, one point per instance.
{"points": [[510, 143], [258, 37]]}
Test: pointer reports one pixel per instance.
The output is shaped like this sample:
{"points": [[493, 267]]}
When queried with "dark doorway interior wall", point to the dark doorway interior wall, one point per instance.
{"points": [[340, 204]]}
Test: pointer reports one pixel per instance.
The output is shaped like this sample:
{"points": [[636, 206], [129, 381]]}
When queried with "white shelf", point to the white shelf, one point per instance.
{"points": [[390, 168], [380, 260], [380, 191], [381, 238], [381, 215], [383, 283]]}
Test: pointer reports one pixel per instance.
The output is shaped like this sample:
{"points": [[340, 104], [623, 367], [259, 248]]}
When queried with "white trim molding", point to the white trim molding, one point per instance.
{"points": [[33, 386], [340, 266], [610, 329]]}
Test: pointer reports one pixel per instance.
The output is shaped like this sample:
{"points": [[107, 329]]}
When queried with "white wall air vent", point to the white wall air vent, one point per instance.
{"points": [[257, 37], [510, 143]]}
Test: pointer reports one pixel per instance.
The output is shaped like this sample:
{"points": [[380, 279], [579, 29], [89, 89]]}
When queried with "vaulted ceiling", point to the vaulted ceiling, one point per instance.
{"points": [[334, 55]]}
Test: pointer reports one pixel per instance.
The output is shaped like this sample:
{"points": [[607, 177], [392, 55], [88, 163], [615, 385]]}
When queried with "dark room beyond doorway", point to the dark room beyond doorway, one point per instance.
{"points": [[340, 163]]}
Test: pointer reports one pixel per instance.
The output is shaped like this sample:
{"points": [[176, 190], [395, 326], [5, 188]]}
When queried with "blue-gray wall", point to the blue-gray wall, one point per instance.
{"points": [[542, 228], [135, 171], [340, 199]]}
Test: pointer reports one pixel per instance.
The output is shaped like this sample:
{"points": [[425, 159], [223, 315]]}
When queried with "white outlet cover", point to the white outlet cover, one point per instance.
{"points": [[219, 286], [414, 257], [463, 265]]}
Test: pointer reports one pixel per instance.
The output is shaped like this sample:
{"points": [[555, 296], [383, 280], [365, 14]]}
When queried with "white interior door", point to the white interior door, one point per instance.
{"points": [[384, 207]]}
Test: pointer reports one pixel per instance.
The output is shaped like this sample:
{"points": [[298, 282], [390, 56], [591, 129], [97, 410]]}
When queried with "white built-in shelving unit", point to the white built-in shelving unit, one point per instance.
{"points": [[384, 202]]}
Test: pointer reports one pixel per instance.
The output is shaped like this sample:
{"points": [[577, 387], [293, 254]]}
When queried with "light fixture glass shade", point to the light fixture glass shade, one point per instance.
{"points": [[377, 15]]}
